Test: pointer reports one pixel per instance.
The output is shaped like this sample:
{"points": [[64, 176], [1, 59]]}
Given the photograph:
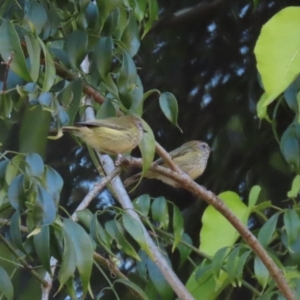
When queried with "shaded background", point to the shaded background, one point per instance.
{"points": [[206, 60]]}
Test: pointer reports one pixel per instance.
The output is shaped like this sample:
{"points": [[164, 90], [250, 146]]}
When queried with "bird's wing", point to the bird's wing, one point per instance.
{"points": [[182, 150], [101, 123]]}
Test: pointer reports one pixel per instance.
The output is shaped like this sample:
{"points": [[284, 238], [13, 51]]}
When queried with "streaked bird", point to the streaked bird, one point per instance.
{"points": [[114, 135], [191, 158]]}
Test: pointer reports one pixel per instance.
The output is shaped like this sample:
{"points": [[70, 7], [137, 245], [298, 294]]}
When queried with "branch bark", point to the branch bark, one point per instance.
{"points": [[187, 183]]}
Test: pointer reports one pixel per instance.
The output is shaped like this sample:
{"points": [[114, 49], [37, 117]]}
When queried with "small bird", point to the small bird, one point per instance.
{"points": [[191, 158], [114, 135]]}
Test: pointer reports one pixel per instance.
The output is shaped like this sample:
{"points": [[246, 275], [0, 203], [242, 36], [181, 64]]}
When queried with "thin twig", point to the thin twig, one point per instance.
{"points": [[23, 261], [99, 186], [187, 183], [166, 157]]}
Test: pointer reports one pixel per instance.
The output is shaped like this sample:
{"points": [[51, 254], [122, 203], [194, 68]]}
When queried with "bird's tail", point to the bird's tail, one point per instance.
{"points": [[132, 179]]}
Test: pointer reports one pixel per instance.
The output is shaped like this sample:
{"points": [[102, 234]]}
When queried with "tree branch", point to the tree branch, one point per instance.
{"points": [[187, 183]]}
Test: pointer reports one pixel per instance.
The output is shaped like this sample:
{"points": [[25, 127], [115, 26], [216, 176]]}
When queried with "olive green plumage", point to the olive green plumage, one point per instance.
{"points": [[191, 158], [114, 135]]}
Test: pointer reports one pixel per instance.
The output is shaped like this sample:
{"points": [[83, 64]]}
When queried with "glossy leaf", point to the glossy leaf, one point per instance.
{"points": [[266, 233], [253, 196], [131, 37], [142, 204], [34, 130], [15, 233], [83, 249], [137, 290], [159, 281], [41, 243], [35, 165], [68, 261], [147, 147], [50, 72], [292, 225], [279, 67], [16, 192], [106, 7], [13, 168], [76, 47], [289, 145], [44, 209], [177, 226], [36, 15], [169, 107], [103, 55], [116, 231], [9, 44], [214, 224], [54, 183], [261, 273], [6, 287], [159, 211], [232, 264], [295, 188], [184, 250], [136, 230], [290, 94], [153, 13]]}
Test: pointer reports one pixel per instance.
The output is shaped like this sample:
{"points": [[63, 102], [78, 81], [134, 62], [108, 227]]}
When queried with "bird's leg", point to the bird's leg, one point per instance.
{"points": [[118, 160]]}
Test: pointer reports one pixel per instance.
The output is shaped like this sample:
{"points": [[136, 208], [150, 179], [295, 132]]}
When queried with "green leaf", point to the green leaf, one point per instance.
{"points": [[50, 72], [261, 273], [10, 46], [84, 251], [70, 97], [241, 265], [99, 235], [140, 9], [68, 261], [34, 51], [16, 192], [54, 183], [36, 15], [292, 225], [106, 110], [253, 196], [106, 7], [159, 281], [153, 13], [169, 107], [15, 232], [103, 55], [115, 230], [279, 67], [214, 224], [184, 250], [6, 286], [293, 193], [142, 204], [232, 264], [34, 130], [289, 145], [137, 290], [131, 36], [41, 243], [44, 209], [159, 210], [177, 226], [127, 79], [266, 233], [13, 168], [35, 165], [147, 147], [136, 230], [76, 47], [262, 109]]}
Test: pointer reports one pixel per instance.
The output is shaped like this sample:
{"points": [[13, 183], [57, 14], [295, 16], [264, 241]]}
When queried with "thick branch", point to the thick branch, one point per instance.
{"points": [[187, 183]]}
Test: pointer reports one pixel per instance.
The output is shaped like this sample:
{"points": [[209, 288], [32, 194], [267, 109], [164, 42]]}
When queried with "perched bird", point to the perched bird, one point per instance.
{"points": [[114, 135], [191, 158]]}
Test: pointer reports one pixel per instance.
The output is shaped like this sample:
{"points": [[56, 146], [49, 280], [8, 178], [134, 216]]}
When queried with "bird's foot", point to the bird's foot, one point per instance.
{"points": [[118, 160]]}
